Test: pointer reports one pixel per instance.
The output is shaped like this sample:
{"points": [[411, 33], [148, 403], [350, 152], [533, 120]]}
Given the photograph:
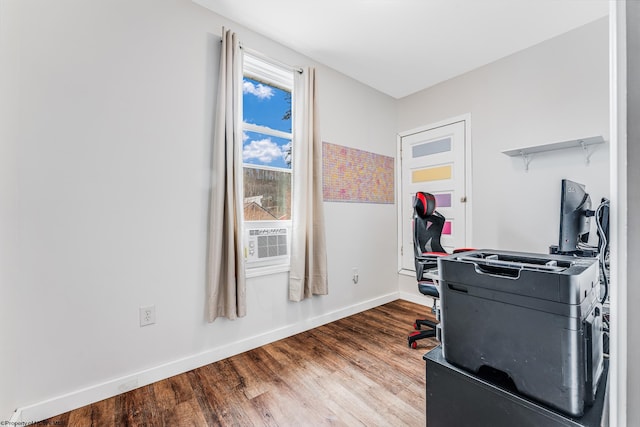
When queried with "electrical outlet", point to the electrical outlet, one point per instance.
{"points": [[355, 277], [147, 315]]}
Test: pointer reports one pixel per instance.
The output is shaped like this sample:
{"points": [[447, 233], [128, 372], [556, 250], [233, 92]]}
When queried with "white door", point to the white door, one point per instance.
{"points": [[433, 160]]}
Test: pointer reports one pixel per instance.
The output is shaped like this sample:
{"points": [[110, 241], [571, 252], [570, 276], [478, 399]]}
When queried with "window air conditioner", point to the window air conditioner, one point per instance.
{"points": [[266, 244]]}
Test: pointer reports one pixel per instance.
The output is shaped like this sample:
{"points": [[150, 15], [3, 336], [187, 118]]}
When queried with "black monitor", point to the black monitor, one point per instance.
{"points": [[575, 214]]}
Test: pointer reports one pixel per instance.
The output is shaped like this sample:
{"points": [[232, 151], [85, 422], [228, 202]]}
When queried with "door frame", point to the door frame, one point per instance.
{"points": [[621, 341], [466, 118]]}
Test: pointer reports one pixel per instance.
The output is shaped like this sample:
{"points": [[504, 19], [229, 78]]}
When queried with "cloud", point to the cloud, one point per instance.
{"points": [[264, 150], [259, 90]]}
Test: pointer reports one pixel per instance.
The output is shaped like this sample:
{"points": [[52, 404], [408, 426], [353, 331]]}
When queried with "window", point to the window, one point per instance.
{"points": [[267, 172]]}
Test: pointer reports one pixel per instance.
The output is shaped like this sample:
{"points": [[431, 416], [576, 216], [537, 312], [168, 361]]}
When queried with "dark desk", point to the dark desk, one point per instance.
{"points": [[457, 398]]}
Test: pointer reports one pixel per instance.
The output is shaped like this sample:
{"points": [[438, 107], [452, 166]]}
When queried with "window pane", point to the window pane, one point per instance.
{"points": [[266, 150], [266, 105], [267, 194]]}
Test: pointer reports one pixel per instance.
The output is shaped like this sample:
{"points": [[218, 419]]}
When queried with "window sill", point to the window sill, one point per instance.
{"points": [[266, 270]]}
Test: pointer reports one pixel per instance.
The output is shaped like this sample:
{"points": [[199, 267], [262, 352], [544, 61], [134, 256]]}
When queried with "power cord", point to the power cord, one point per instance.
{"points": [[603, 249]]}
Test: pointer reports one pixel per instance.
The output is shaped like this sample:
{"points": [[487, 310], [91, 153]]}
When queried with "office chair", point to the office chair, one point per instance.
{"points": [[427, 230]]}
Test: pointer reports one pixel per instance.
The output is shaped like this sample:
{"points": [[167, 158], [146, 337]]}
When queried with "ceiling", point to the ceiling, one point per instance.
{"points": [[402, 46]]}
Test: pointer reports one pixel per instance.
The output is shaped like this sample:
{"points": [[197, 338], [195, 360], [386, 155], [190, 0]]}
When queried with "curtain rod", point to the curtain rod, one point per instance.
{"points": [[267, 59], [272, 61]]}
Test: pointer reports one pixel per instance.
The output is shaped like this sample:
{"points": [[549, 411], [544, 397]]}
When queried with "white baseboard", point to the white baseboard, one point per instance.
{"points": [[95, 393], [416, 298]]}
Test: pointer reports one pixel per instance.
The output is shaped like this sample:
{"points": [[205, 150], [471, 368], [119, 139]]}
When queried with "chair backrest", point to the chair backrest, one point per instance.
{"points": [[427, 229]]}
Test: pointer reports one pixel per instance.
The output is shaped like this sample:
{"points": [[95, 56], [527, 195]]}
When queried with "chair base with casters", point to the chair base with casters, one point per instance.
{"points": [[428, 289]]}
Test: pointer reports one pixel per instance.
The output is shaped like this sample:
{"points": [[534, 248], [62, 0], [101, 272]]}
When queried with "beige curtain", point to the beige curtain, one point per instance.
{"points": [[308, 274], [225, 264]]}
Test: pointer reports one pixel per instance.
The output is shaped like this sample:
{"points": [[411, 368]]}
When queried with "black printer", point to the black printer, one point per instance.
{"points": [[536, 318]]}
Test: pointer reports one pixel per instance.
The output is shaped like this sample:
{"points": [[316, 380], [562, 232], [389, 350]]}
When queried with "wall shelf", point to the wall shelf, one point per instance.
{"points": [[582, 143]]}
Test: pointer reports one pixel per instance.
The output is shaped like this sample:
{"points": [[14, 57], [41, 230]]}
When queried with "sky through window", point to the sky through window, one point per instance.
{"points": [[266, 106]]}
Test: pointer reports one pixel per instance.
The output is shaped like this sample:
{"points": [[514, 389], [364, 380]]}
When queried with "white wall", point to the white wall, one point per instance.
{"points": [[551, 92], [106, 130]]}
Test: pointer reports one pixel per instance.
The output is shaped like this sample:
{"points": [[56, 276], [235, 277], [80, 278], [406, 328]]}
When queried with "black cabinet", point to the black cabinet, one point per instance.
{"points": [[458, 398]]}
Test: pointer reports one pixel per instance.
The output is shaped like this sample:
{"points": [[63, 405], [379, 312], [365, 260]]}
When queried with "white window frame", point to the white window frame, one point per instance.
{"points": [[261, 69]]}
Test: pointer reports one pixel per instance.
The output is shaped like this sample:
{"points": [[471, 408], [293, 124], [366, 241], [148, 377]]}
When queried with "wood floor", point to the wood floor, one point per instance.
{"points": [[357, 371]]}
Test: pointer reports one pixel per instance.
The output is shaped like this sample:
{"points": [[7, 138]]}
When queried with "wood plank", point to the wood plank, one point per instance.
{"points": [[185, 413], [356, 371]]}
